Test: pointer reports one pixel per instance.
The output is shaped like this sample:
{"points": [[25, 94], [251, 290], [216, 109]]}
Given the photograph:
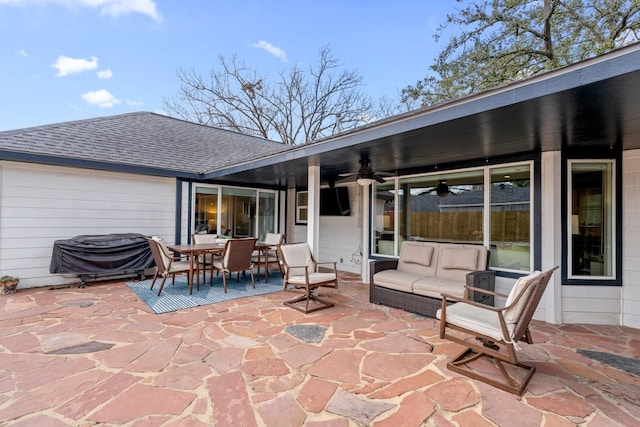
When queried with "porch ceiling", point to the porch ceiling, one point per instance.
{"points": [[592, 104]]}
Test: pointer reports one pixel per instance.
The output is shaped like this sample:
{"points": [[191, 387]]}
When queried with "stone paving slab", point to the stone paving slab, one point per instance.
{"points": [[97, 355]]}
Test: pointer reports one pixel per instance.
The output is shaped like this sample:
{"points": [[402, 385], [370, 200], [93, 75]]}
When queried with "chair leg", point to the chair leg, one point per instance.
{"points": [[253, 283], [224, 282], [164, 278], [155, 276]]}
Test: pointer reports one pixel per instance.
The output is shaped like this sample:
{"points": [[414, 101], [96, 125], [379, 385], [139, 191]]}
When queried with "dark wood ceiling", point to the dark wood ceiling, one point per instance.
{"points": [[591, 104]]}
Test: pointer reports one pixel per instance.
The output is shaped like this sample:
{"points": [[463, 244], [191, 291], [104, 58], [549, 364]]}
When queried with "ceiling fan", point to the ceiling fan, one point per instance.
{"points": [[365, 175], [442, 190]]}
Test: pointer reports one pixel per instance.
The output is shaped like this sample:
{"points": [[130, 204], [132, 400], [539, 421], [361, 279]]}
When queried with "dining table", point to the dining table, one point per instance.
{"points": [[193, 251]]}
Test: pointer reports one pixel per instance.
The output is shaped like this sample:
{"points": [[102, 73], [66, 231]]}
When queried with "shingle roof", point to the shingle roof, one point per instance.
{"points": [[139, 140]]}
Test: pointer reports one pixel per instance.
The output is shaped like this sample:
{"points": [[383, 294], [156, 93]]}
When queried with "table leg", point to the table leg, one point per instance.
{"points": [[190, 278], [266, 265]]}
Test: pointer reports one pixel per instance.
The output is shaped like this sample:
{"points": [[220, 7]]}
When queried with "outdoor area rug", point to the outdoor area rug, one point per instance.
{"points": [[177, 297]]}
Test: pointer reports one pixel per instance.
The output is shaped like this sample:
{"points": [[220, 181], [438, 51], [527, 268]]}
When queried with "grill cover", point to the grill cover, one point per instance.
{"points": [[110, 253]]}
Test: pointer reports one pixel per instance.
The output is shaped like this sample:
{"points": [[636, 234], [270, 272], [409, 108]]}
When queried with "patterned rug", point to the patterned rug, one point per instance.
{"points": [[177, 297]]}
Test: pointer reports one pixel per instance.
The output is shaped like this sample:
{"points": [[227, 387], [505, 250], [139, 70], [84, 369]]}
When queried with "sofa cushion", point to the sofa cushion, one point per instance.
{"points": [[460, 258], [419, 254], [455, 260], [434, 287], [418, 258], [394, 279]]}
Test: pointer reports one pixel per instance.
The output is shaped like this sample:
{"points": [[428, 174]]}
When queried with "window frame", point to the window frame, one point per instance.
{"points": [[534, 201], [570, 279], [299, 208]]}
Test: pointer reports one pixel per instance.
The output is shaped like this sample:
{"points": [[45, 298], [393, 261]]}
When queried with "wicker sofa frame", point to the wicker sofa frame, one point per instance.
{"points": [[421, 304]]}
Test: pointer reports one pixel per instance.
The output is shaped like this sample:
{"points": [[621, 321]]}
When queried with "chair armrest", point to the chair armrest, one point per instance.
{"points": [[447, 297], [485, 291], [326, 262], [382, 264], [335, 268]]}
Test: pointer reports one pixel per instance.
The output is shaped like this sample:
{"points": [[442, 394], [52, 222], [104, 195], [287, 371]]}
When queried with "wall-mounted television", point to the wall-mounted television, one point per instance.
{"points": [[335, 201]]}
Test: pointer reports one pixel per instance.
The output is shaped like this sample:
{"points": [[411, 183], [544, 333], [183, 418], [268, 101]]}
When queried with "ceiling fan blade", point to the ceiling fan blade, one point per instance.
{"points": [[378, 178]]}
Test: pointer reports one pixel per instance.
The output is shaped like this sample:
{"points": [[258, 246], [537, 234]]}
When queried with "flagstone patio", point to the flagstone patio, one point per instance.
{"points": [[99, 356]]}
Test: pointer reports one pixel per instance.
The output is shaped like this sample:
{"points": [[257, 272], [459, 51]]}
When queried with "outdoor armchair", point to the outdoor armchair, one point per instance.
{"points": [[301, 272], [493, 333]]}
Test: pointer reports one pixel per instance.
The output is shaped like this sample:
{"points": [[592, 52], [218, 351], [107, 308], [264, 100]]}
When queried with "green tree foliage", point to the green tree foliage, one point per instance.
{"points": [[298, 107], [508, 40]]}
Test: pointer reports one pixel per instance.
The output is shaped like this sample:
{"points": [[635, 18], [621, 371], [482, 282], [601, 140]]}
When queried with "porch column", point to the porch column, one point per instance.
{"points": [[551, 227], [365, 215], [313, 213]]}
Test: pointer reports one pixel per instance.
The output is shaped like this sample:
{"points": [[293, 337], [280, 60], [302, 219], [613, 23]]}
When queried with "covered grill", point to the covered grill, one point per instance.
{"points": [[101, 256]]}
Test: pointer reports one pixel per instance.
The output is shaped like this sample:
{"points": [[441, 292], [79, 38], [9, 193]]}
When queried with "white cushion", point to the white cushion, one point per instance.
{"points": [[459, 258], [476, 319], [434, 287], [298, 255], [205, 238], [513, 314], [394, 279], [416, 254], [314, 279]]}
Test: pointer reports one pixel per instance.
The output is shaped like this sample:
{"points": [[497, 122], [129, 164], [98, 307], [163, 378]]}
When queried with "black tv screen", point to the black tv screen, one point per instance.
{"points": [[335, 201]]}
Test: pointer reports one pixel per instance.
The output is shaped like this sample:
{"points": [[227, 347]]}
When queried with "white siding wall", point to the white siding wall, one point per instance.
{"points": [[40, 204], [339, 235], [631, 235]]}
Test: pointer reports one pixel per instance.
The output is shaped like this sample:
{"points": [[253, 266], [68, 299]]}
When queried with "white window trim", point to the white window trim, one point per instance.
{"points": [[486, 212], [568, 236]]}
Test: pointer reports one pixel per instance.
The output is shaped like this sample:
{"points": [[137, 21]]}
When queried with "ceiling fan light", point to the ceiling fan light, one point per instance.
{"points": [[364, 181]]}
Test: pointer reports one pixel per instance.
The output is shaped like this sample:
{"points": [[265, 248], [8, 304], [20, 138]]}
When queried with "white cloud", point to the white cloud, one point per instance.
{"points": [[21, 52], [66, 65], [104, 74], [273, 50], [102, 98], [133, 103], [113, 8]]}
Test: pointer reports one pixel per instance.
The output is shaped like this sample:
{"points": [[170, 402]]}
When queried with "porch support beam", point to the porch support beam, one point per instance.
{"points": [[313, 213], [551, 220]]}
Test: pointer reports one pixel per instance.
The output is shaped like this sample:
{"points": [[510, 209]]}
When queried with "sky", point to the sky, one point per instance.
{"points": [[65, 60]]}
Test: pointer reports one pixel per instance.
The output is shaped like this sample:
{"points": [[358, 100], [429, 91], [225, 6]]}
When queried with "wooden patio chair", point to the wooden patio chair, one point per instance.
{"points": [[166, 265], [492, 333], [301, 272], [274, 240], [205, 261], [236, 257]]}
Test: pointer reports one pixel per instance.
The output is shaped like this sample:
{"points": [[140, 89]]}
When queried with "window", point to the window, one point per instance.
{"points": [[206, 210], [489, 205], [591, 220], [510, 222], [236, 212], [302, 208]]}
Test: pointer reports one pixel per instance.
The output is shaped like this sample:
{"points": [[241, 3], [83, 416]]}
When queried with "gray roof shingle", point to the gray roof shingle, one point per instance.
{"points": [[140, 140]]}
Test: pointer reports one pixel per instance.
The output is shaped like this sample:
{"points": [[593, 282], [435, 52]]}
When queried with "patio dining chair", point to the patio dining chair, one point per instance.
{"points": [[301, 271], [205, 261], [166, 263], [493, 333], [236, 257], [271, 255]]}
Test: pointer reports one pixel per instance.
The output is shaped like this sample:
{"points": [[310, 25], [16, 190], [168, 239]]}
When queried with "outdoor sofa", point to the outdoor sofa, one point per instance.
{"points": [[425, 270]]}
